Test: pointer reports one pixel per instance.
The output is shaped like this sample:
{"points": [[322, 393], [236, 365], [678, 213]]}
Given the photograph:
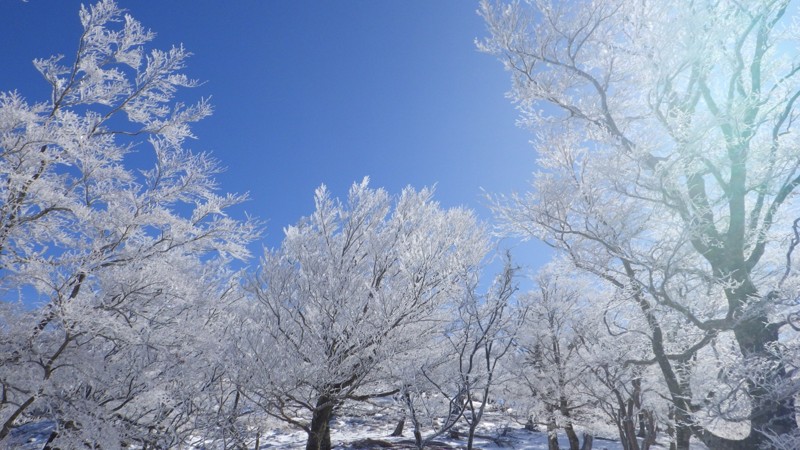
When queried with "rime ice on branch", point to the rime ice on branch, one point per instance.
{"points": [[117, 263], [669, 168]]}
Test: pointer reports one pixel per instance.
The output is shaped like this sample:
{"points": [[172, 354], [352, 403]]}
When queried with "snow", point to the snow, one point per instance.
{"points": [[30, 436], [371, 431]]}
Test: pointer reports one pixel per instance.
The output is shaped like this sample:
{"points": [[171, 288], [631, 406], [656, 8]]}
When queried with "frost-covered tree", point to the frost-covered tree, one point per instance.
{"points": [[669, 167], [480, 339], [550, 364], [453, 382], [352, 288], [113, 244]]}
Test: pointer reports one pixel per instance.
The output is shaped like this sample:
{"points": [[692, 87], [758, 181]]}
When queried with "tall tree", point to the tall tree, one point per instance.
{"points": [[353, 287], [111, 256], [549, 366], [452, 382], [482, 336], [669, 164]]}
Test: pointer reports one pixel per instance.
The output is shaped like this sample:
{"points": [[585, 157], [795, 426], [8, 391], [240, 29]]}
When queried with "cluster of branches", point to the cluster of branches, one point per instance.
{"points": [[669, 166], [123, 322], [120, 269]]}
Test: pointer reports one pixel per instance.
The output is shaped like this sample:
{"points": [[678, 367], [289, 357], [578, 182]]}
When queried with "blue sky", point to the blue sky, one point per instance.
{"points": [[311, 92]]}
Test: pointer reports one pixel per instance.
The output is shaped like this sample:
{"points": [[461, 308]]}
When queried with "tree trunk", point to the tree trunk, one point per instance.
{"points": [[471, 438], [682, 432], [629, 429], [319, 435], [574, 442], [642, 432], [398, 430], [9, 423], [647, 428], [770, 415], [630, 413], [414, 420], [755, 335], [588, 440], [682, 437], [552, 433]]}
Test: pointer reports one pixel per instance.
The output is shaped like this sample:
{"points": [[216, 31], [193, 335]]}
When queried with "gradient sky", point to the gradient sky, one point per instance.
{"points": [[311, 92]]}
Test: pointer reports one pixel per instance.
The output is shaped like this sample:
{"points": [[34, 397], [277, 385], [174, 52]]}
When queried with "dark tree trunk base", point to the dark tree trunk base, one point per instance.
{"points": [[398, 430]]}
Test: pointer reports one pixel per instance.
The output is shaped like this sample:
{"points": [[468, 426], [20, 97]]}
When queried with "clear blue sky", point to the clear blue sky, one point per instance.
{"points": [[311, 92]]}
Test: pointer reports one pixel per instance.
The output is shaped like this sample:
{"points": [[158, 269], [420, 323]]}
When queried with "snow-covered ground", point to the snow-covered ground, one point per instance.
{"points": [[495, 432], [371, 431], [31, 436]]}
